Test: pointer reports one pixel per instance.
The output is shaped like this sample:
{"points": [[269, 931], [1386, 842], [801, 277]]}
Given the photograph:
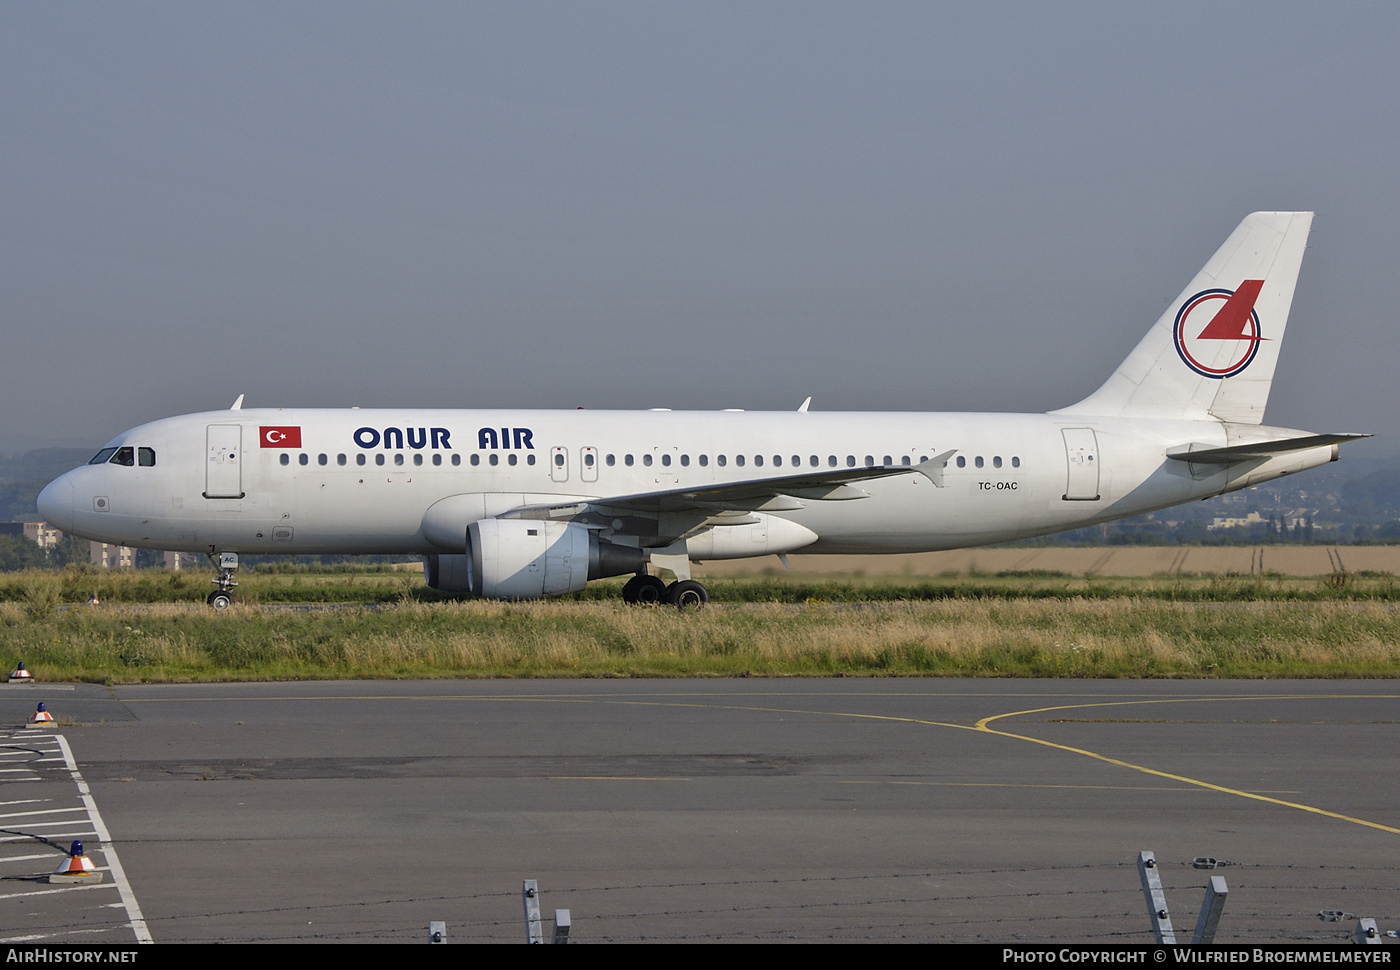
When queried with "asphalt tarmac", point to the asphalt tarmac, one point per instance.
{"points": [[715, 810]]}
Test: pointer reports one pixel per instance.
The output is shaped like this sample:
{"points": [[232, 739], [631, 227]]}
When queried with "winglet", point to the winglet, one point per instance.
{"points": [[805, 405], [238, 404]]}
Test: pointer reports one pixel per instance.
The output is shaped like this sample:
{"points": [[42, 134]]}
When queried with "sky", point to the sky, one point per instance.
{"points": [[886, 206]]}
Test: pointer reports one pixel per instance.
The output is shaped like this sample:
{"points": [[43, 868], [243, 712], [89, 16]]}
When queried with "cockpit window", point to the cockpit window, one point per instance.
{"points": [[124, 456], [146, 457], [101, 457]]}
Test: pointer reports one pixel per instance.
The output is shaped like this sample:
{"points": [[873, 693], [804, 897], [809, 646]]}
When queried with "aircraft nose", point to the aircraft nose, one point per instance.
{"points": [[56, 503]]}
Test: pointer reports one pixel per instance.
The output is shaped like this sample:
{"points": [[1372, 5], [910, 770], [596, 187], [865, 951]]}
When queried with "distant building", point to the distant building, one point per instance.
{"points": [[109, 556], [42, 534], [102, 554], [1235, 522]]}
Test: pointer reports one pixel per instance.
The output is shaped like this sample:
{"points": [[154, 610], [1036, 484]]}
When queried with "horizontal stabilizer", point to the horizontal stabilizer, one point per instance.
{"points": [[1257, 450]]}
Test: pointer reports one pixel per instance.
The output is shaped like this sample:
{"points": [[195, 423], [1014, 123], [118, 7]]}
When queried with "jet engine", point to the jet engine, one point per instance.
{"points": [[517, 559]]}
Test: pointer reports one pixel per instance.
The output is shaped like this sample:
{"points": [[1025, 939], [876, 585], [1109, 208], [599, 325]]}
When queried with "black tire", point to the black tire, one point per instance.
{"points": [[220, 600], [644, 591], [687, 594]]}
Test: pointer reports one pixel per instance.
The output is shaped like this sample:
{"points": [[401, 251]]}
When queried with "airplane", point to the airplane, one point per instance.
{"points": [[530, 504]]}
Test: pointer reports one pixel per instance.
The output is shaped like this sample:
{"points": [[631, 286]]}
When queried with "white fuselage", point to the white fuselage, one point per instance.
{"points": [[362, 481]]}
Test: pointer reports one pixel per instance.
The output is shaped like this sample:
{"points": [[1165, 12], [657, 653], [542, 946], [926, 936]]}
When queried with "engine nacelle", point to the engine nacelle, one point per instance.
{"points": [[518, 559], [771, 535]]}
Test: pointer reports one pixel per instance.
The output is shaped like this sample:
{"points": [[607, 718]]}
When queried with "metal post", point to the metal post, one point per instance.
{"points": [[1366, 932], [534, 933], [561, 926], [437, 931], [1211, 909], [1156, 899]]}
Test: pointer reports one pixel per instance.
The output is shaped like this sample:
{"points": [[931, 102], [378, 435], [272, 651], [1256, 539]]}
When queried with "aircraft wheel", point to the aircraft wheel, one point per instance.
{"points": [[687, 594], [220, 600], [644, 590]]}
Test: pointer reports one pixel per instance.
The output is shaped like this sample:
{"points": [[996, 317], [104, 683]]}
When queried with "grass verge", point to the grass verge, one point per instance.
{"points": [[998, 636]]}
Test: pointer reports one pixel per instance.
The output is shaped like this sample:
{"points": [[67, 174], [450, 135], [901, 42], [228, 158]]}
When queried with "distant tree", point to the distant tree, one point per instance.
{"points": [[70, 551], [17, 552], [149, 559]]}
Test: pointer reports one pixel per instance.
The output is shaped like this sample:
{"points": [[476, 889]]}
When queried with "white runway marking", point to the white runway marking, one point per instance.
{"points": [[55, 820]]}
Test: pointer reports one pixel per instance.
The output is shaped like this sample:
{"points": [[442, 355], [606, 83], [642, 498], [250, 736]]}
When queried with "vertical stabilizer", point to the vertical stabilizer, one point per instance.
{"points": [[1212, 354]]}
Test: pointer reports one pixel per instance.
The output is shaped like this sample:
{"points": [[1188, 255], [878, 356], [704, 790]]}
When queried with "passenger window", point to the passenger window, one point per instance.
{"points": [[962, 461], [666, 460], [796, 461], [1015, 462], [869, 461], [340, 459], [722, 461], [529, 459], [978, 462], [476, 459], [418, 459], [322, 460], [831, 461], [685, 461], [379, 459], [587, 460], [646, 460], [359, 459], [777, 461], [850, 461], [457, 459], [495, 459], [611, 460], [739, 460], [758, 461], [303, 459], [996, 462], [888, 460], [815, 461], [437, 459], [125, 456], [704, 461], [101, 457], [627, 461], [398, 459], [512, 459], [286, 459], [146, 457], [907, 461]]}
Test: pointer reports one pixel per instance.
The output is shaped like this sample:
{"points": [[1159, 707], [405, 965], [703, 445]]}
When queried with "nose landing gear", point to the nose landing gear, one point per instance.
{"points": [[222, 598]]}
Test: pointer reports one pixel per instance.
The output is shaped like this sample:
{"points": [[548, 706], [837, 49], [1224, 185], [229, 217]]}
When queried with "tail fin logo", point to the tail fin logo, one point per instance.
{"points": [[1217, 331]]}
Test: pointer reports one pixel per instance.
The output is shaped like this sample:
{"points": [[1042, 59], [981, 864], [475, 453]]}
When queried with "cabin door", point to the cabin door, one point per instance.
{"points": [[223, 469], [1082, 453]]}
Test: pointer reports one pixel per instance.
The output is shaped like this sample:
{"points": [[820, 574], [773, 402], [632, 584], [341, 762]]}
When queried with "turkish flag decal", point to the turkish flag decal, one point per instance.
{"points": [[281, 437]]}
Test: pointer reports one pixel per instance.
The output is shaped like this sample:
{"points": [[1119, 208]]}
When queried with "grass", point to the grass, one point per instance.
{"points": [[998, 636], [74, 586], [152, 626]]}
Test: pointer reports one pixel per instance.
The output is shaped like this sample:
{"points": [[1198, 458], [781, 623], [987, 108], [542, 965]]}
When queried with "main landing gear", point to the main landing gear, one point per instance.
{"points": [[646, 590], [222, 598]]}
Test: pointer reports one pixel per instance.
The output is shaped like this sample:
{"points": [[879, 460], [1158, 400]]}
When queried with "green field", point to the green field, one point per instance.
{"points": [[152, 626]]}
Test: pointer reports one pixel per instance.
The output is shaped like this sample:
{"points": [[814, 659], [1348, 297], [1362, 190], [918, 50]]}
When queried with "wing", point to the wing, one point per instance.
{"points": [[676, 512]]}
